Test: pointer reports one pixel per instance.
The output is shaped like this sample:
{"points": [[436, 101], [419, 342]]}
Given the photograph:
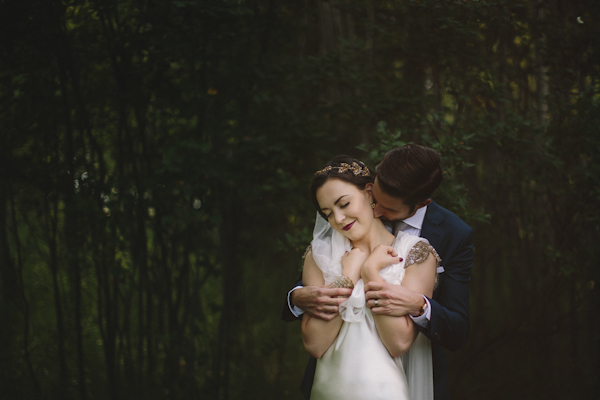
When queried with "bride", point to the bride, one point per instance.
{"points": [[361, 355]]}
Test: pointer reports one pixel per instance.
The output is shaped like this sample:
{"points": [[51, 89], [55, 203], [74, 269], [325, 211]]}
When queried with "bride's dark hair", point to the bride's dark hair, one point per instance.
{"points": [[344, 168]]}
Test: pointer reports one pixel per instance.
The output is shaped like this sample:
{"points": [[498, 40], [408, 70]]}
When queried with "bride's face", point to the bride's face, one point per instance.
{"points": [[348, 209]]}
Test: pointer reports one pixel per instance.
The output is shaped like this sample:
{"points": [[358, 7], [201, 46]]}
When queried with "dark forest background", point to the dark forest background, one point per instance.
{"points": [[155, 157]]}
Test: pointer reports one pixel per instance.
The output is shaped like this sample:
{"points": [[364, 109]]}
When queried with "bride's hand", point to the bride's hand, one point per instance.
{"points": [[381, 257], [352, 263]]}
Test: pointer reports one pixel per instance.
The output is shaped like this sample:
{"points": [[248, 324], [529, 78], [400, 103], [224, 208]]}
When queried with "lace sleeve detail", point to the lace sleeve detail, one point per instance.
{"points": [[419, 253]]}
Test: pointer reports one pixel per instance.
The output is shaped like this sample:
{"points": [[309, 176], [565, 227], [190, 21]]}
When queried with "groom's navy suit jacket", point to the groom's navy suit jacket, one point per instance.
{"points": [[449, 324]]}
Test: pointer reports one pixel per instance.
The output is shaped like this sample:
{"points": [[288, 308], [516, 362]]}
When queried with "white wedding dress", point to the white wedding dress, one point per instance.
{"points": [[357, 366]]}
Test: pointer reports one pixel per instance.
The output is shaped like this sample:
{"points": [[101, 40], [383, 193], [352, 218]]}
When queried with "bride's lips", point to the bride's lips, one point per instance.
{"points": [[347, 227]]}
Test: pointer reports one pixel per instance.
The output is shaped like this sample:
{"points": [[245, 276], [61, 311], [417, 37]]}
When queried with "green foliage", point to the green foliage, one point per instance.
{"points": [[155, 159]]}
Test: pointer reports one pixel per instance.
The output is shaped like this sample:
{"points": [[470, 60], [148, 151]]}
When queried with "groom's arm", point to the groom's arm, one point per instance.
{"points": [[289, 313], [449, 321], [448, 315], [321, 302]]}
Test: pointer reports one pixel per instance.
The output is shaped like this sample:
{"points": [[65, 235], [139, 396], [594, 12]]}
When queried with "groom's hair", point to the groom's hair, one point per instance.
{"points": [[410, 173]]}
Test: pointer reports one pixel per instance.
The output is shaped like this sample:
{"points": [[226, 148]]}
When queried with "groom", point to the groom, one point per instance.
{"points": [[405, 180]]}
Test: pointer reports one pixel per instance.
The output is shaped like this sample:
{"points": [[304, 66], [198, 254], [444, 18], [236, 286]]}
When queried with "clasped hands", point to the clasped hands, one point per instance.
{"points": [[356, 264], [323, 302]]}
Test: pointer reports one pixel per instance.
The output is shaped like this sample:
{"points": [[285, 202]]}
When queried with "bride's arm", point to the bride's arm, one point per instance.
{"points": [[399, 333], [317, 334]]}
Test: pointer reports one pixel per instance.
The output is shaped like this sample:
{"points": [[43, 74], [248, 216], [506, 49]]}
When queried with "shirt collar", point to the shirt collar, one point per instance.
{"points": [[416, 221]]}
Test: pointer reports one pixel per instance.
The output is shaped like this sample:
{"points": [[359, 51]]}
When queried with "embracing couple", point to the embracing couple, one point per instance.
{"points": [[384, 288]]}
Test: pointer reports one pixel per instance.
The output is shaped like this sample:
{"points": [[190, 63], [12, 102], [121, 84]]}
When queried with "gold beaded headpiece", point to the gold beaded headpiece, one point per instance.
{"points": [[355, 168]]}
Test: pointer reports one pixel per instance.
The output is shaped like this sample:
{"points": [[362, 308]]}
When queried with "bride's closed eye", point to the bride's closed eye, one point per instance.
{"points": [[341, 206]]}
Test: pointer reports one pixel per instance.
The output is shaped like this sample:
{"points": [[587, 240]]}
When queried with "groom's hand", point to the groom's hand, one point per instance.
{"points": [[320, 301], [392, 300]]}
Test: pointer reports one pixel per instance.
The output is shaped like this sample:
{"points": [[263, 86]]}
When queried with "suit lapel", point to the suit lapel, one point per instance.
{"points": [[431, 226], [433, 232]]}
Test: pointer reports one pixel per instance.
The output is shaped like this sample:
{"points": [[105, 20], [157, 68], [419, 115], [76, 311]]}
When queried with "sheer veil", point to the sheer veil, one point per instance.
{"points": [[328, 247]]}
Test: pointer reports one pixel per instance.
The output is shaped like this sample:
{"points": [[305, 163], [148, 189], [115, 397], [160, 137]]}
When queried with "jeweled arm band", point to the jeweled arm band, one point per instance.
{"points": [[342, 281]]}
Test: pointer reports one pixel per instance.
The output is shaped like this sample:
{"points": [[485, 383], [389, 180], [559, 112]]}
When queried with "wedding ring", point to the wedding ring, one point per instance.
{"points": [[376, 302]]}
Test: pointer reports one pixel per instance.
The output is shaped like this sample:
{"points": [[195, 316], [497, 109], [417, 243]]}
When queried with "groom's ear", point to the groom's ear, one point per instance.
{"points": [[423, 204]]}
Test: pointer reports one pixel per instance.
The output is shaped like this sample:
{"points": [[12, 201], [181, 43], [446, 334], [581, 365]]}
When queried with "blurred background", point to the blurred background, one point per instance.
{"points": [[155, 157]]}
